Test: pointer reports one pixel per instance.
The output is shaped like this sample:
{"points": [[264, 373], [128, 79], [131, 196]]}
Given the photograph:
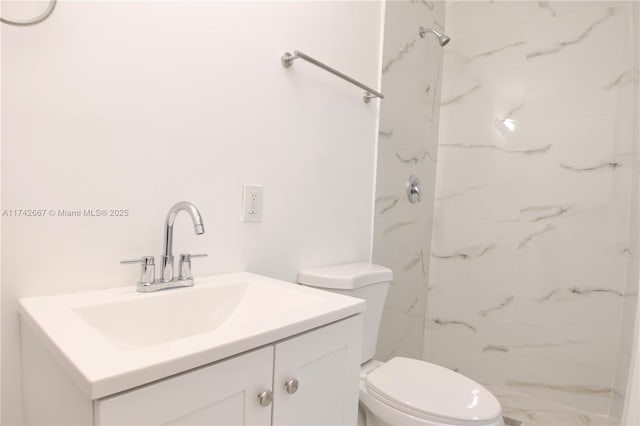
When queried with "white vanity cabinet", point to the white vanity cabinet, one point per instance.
{"points": [[325, 364], [221, 394], [324, 361], [200, 355]]}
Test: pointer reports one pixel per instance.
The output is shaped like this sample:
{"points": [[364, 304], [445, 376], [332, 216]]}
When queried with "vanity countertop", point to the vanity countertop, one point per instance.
{"points": [[111, 340]]}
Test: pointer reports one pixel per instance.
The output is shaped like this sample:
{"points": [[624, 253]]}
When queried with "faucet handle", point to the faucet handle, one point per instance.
{"points": [[185, 265], [146, 260], [147, 268]]}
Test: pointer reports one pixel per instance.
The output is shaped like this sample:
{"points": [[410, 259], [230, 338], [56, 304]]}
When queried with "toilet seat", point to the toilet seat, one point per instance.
{"points": [[432, 393]]}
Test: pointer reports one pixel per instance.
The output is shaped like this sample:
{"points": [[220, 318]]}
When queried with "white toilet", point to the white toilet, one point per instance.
{"points": [[403, 391]]}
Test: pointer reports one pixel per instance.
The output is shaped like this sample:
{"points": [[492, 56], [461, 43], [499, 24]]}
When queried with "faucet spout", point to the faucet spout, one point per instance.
{"points": [[198, 226]]}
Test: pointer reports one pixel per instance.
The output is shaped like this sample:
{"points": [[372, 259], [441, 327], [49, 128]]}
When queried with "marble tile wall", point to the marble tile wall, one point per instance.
{"points": [[407, 145], [532, 210]]}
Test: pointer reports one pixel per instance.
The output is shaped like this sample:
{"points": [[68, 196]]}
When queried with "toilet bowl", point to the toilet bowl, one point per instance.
{"points": [[406, 391], [403, 391]]}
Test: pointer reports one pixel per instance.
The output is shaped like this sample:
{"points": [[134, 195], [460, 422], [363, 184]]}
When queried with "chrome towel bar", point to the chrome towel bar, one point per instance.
{"points": [[288, 58]]}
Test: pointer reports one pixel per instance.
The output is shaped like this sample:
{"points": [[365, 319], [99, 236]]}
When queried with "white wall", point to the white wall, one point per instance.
{"points": [[139, 105], [531, 233]]}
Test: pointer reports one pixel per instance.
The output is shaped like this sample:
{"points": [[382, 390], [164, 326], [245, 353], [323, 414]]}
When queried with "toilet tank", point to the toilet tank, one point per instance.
{"points": [[361, 280]]}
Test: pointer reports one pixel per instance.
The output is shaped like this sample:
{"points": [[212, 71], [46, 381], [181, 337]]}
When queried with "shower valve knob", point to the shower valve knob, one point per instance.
{"points": [[413, 190]]}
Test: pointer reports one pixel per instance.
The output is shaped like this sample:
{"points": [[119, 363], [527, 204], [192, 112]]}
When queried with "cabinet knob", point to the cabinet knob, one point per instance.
{"points": [[291, 386], [265, 398]]}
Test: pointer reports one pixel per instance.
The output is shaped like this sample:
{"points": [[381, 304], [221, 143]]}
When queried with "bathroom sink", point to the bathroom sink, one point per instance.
{"points": [[116, 339], [171, 315]]}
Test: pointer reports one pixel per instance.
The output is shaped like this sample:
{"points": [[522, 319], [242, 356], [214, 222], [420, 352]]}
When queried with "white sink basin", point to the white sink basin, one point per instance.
{"points": [[176, 314], [112, 340]]}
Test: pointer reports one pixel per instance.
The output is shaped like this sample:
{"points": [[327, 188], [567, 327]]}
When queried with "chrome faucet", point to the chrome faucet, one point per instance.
{"points": [[147, 282], [198, 227]]}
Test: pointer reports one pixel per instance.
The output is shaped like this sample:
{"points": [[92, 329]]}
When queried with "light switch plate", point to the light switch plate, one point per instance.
{"points": [[252, 203]]}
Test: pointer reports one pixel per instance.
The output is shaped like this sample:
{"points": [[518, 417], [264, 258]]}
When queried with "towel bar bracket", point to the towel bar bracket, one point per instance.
{"points": [[288, 58]]}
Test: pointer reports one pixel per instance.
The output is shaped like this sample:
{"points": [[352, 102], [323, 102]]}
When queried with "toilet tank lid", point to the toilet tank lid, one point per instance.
{"points": [[345, 277]]}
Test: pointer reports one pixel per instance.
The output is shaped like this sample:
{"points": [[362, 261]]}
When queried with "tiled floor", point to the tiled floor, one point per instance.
{"points": [[535, 412]]}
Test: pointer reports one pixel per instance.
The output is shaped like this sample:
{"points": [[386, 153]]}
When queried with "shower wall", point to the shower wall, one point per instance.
{"points": [[532, 207], [407, 145]]}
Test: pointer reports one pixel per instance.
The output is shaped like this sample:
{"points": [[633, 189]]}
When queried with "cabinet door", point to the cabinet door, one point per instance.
{"points": [[326, 364], [224, 393]]}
